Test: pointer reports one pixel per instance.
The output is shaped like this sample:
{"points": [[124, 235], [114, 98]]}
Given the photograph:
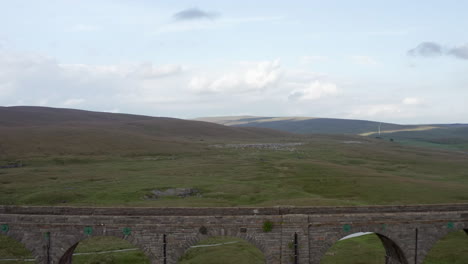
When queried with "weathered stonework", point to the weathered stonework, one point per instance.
{"points": [[164, 234]]}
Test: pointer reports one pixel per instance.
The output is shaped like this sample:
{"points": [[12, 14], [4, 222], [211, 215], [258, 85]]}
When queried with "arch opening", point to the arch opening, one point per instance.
{"points": [[364, 248], [12, 251], [223, 249], [104, 250], [452, 248]]}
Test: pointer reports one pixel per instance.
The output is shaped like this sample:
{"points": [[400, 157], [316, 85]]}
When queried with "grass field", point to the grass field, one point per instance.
{"points": [[365, 249], [448, 138], [120, 163], [323, 171], [12, 249], [320, 172], [234, 251], [95, 249], [368, 249]]}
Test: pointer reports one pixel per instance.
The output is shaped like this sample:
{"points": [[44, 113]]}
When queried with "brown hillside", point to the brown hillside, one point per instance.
{"points": [[42, 131]]}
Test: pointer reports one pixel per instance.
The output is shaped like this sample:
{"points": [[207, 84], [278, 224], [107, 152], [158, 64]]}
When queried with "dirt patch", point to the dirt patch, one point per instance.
{"points": [[172, 192]]}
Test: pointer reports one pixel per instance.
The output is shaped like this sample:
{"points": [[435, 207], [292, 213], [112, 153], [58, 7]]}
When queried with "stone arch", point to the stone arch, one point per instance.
{"points": [[394, 253], [72, 244], [437, 234], [30, 241], [250, 238]]}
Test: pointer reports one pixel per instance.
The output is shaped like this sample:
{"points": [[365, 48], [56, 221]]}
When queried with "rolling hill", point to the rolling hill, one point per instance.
{"points": [[310, 125], [446, 136], [43, 131], [88, 158]]}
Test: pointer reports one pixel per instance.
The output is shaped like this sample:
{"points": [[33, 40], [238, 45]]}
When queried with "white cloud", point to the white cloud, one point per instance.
{"points": [[147, 70], [228, 81], [252, 76], [377, 110], [201, 84], [257, 88], [142, 70], [40, 80], [314, 91], [364, 60], [412, 101], [386, 111], [264, 74]]}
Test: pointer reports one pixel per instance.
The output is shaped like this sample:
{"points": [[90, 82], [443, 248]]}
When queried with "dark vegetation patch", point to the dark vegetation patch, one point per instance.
{"points": [[172, 192], [52, 197]]}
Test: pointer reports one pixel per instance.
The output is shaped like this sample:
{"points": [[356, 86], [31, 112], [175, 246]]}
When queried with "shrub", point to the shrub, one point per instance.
{"points": [[267, 226]]}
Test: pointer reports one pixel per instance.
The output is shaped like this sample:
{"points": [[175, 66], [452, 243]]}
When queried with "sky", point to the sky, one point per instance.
{"points": [[393, 61]]}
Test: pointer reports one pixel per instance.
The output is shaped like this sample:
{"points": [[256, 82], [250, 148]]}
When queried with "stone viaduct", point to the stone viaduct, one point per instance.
{"points": [[298, 234]]}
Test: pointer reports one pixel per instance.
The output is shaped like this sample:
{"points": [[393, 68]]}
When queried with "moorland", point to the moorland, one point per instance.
{"points": [[72, 157]]}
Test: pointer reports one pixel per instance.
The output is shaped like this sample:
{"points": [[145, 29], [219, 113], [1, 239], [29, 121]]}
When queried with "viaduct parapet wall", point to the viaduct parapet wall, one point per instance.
{"points": [[299, 235]]}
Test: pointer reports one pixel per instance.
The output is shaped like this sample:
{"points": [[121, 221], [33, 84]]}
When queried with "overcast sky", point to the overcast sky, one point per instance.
{"points": [[394, 61]]}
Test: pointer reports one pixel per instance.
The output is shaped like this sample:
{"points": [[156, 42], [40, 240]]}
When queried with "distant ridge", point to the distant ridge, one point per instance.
{"points": [[314, 125], [307, 125]]}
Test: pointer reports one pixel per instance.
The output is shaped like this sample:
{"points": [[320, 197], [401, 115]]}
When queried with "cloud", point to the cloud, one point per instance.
{"points": [[377, 111], [148, 71], [41, 80], [427, 49], [460, 52], [253, 76], [266, 88], [432, 49], [143, 70], [364, 60], [194, 14], [412, 101], [408, 107], [314, 91], [208, 25], [264, 74]]}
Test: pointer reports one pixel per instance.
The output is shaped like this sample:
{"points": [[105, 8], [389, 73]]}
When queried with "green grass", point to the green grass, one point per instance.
{"points": [[112, 258], [100, 244], [324, 171], [12, 249], [233, 253], [450, 249], [366, 249], [448, 138]]}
